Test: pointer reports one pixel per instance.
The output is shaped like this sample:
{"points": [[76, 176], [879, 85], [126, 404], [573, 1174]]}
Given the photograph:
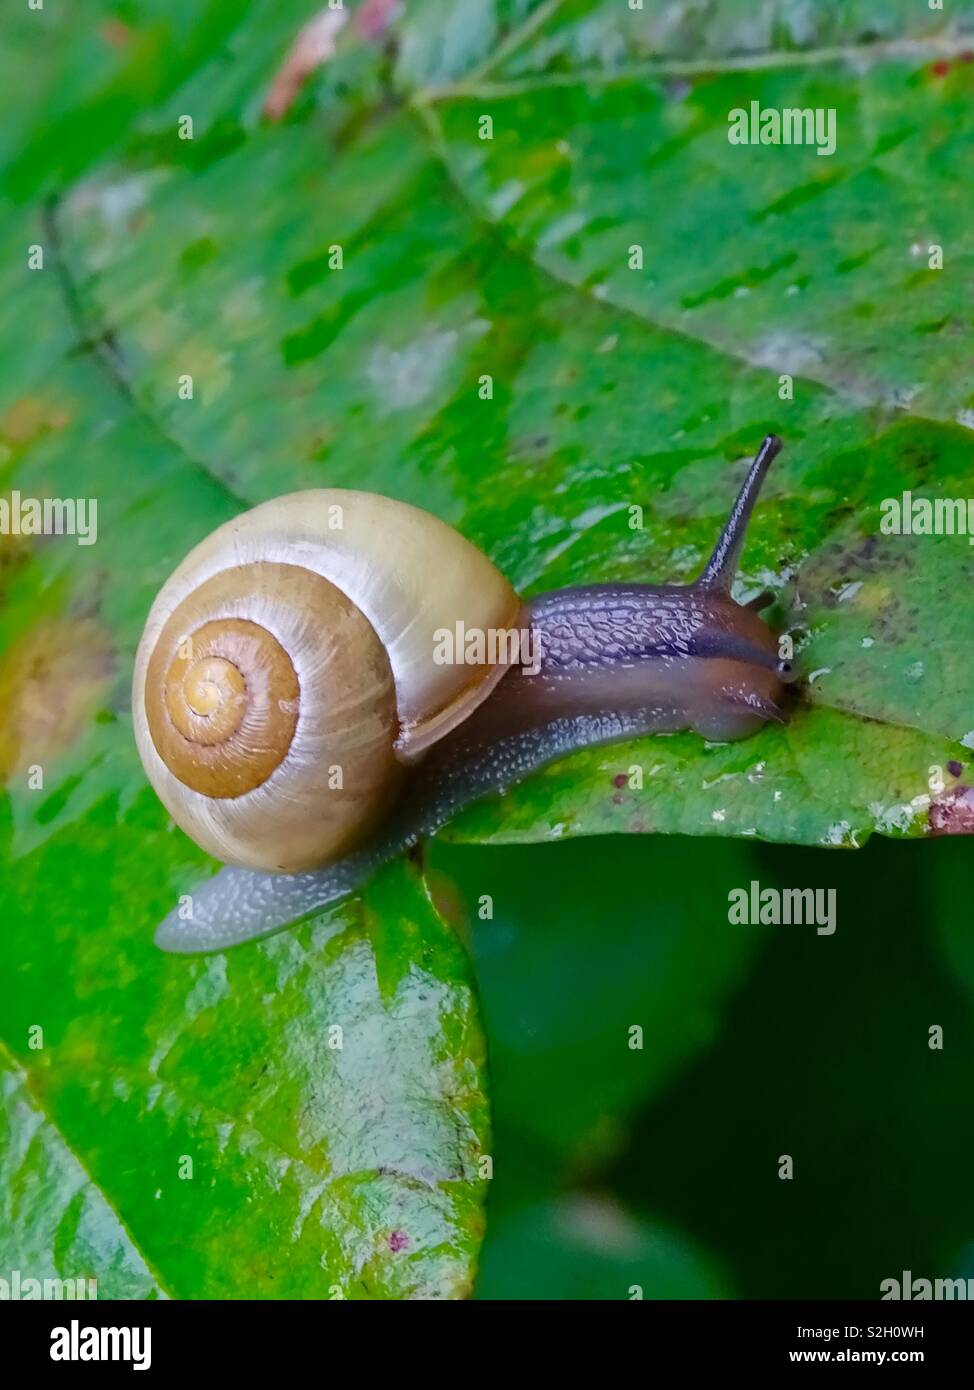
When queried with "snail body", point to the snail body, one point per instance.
{"points": [[291, 716]]}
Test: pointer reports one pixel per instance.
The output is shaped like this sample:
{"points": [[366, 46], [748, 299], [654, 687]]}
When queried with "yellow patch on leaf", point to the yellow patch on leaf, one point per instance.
{"points": [[51, 683], [31, 416]]}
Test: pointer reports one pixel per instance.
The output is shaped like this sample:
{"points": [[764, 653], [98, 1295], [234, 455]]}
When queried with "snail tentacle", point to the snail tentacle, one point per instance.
{"points": [[720, 569]]}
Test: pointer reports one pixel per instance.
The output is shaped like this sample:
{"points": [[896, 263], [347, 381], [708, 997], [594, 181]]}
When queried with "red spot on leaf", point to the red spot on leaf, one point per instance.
{"points": [[620, 780], [940, 68], [373, 17], [314, 45], [398, 1241], [953, 813]]}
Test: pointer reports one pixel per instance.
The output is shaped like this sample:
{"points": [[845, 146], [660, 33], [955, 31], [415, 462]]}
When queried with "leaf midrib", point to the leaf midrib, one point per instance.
{"points": [[946, 45], [9, 1059]]}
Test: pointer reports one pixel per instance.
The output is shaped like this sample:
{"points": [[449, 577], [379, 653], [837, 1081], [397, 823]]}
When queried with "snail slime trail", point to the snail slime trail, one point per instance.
{"points": [[292, 717]]}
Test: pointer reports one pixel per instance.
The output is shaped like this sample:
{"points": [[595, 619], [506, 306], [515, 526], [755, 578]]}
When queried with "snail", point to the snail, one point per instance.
{"points": [[292, 716]]}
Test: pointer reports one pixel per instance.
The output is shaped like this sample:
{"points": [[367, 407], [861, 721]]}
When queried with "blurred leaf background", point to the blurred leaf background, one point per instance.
{"points": [[613, 1167], [660, 1168]]}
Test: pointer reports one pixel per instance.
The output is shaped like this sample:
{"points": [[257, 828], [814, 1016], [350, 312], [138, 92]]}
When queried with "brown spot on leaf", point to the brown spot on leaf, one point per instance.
{"points": [[30, 417], [51, 682], [115, 33], [953, 812], [14, 550]]}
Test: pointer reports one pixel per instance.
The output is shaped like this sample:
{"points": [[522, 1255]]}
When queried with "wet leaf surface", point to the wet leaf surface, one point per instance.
{"points": [[612, 389], [56, 1224], [459, 257]]}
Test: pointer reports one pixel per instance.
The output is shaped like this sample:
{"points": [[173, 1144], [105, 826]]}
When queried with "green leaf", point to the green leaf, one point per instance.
{"points": [[611, 129], [56, 1224], [302, 1120], [82, 82], [611, 390], [508, 257], [234, 1144]]}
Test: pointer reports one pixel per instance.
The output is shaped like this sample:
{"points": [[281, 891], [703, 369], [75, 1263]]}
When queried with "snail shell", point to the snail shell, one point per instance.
{"points": [[285, 675]]}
